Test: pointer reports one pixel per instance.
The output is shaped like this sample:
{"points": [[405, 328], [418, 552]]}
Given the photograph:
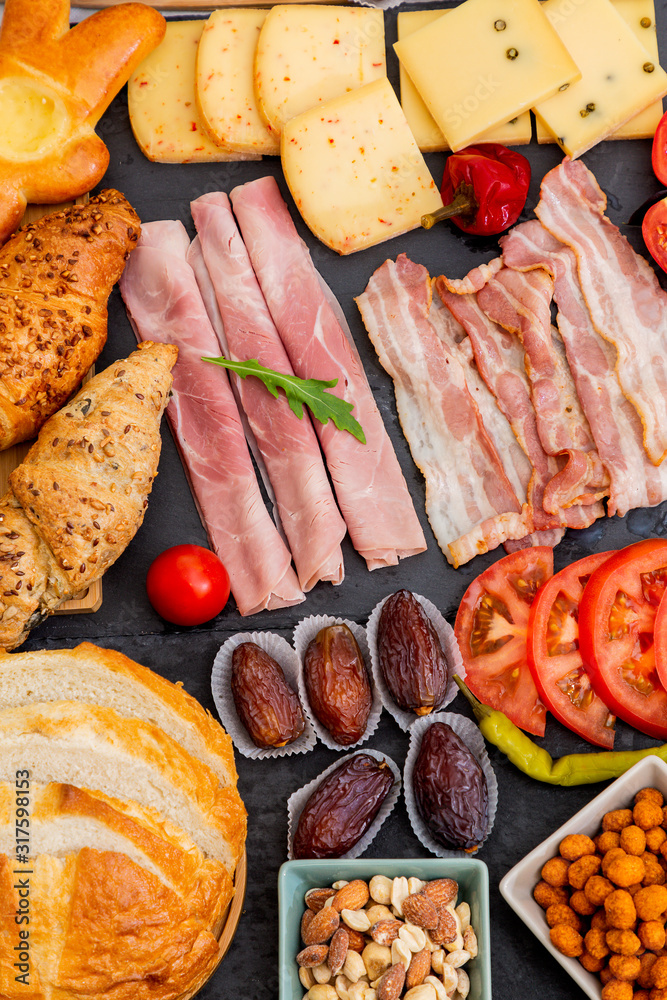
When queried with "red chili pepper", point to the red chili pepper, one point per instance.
{"points": [[484, 189]]}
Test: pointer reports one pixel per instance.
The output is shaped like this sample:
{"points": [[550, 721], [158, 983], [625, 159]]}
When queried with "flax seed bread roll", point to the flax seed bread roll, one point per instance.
{"points": [[79, 496], [56, 275]]}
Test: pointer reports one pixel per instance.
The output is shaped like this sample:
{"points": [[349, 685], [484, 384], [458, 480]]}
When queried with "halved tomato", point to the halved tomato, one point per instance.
{"points": [[616, 620], [491, 627], [654, 231], [554, 657], [659, 151]]}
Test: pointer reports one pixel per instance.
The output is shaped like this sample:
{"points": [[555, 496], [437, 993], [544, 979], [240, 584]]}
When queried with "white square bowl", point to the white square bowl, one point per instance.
{"points": [[517, 886]]}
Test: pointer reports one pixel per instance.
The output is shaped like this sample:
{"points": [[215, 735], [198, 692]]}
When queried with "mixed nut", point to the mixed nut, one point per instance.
{"points": [[384, 939]]}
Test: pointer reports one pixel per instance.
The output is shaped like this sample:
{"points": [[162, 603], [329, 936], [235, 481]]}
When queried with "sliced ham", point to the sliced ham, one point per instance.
{"points": [[616, 427], [470, 502], [521, 303], [500, 359], [368, 482], [289, 447], [623, 295], [162, 298]]}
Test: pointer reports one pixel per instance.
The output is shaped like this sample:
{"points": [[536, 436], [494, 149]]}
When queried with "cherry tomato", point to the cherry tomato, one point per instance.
{"points": [[616, 618], [659, 151], [654, 231], [491, 629], [554, 657], [187, 585]]}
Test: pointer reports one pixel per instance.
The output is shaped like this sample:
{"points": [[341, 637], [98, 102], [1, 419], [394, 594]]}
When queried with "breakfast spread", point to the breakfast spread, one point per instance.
{"points": [[529, 385]]}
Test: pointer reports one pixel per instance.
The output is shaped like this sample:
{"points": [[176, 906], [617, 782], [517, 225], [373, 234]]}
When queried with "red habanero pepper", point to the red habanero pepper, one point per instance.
{"points": [[484, 189]]}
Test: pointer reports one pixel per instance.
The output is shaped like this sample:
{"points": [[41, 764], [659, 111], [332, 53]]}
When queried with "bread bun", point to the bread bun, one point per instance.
{"points": [[132, 841]]}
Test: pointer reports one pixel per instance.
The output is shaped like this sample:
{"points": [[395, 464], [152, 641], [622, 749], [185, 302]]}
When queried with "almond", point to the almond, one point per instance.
{"points": [[390, 984], [352, 896], [322, 926], [312, 956], [357, 940], [385, 931], [305, 921], [446, 930], [316, 898], [419, 968], [420, 910], [338, 950], [442, 891]]}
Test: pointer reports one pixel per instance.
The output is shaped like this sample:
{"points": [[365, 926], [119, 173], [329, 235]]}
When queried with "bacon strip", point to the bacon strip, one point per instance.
{"points": [[288, 445], [369, 485], [615, 425], [500, 359], [470, 502], [623, 295], [162, 298]]}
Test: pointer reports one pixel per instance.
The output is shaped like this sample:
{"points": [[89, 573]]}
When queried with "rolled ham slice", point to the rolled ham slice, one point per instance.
{"points": [[470, 502], [368, 482], [164, 304], [626, 303], [288, 445]]}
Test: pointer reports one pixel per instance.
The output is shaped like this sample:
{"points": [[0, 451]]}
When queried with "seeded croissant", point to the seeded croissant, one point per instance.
{"points": [[55, 278], [78, 498]]}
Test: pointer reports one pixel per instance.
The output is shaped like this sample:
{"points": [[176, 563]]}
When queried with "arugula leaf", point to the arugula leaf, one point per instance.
{"points": [[323, 405]]}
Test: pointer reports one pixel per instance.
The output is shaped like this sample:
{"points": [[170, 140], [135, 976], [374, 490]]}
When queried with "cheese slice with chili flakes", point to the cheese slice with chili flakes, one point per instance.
{"points": [[161, 101], [640, 17], [516, 132], [619, 75], [224, 83], [355, 171], [308, 54]]}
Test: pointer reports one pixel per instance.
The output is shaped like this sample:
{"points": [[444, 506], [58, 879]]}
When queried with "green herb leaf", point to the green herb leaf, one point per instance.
{"points": [[312, 391]]}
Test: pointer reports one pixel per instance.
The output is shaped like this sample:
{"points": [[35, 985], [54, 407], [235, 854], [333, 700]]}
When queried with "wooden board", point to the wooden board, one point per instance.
{"points": [[91, 599]]}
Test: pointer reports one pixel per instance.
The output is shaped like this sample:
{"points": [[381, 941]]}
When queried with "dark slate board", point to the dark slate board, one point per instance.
{"points": [[528, 811]]}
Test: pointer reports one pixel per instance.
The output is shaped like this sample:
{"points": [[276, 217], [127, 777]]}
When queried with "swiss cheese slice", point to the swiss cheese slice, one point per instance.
{"points": [[224, 83], [484, 63], [640, 16], [308, 54], [355, 171], [619, 75], [162, 105], [429, 137]]}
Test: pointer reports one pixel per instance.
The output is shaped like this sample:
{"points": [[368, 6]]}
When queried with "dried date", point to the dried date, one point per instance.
{"points": [[342, 807], [450, 789], [337, 683], [267, 706], [411, 657]]}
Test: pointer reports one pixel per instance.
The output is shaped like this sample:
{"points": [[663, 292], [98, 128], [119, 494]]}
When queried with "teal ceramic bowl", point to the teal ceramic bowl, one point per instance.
{"points": [[296, 877]]}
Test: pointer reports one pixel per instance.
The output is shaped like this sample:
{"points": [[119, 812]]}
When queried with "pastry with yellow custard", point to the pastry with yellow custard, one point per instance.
{"points": [[55, 84]]}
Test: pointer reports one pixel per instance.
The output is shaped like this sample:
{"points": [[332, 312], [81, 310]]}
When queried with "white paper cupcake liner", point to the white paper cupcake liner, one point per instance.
{"points": [[298, 799], [445, 633], [282, 653], [474, 740], [306, 630]]}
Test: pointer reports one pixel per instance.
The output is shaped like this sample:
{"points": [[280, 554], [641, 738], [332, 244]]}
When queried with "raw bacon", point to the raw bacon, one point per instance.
{"points": [[368, 482], [616, 427], [622, 293], [164, 304], [470, 502], [288, 445]]}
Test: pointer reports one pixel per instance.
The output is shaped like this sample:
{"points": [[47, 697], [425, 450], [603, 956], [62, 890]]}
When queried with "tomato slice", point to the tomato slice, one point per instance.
{"points": [[554, 657], [616, 619], [491, 628], [659, 151], [654, 231]]}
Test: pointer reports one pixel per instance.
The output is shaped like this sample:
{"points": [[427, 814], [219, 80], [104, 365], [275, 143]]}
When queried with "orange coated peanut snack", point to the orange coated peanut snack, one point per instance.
{"points": [[605, 899]]}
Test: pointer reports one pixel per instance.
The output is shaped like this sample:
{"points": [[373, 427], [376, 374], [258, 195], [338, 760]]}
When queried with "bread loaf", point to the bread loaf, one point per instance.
{"points": [[55, 84], [79, 496], [55, 278]]}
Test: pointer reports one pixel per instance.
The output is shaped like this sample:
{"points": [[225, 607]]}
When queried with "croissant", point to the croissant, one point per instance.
{"points": [[55, 278], [79, 496], [55, 84]]}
